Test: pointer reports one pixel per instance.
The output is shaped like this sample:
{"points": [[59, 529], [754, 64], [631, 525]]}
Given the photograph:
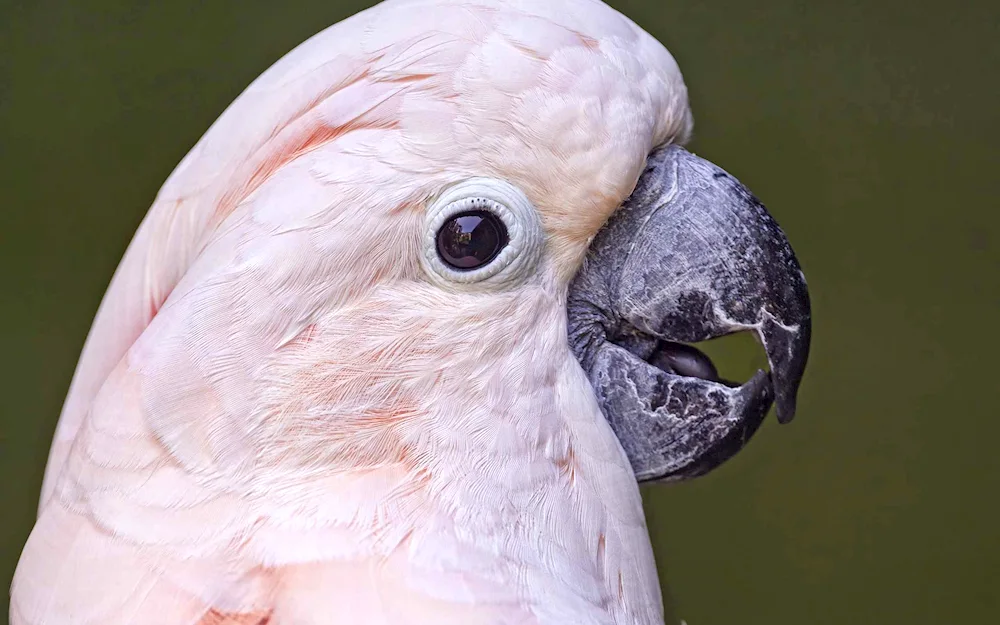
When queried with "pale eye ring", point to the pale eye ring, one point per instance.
{"points": [[481, 233]]}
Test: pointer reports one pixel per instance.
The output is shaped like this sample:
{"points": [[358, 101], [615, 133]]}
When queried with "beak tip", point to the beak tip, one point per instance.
{"points": [[785, 409], [787, 352]]}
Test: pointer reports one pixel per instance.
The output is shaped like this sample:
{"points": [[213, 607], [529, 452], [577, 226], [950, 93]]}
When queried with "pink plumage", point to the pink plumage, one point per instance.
{"points": [[278, 418]]}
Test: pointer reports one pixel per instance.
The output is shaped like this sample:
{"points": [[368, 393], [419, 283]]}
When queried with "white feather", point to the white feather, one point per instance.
{"points": [[279, 415]]}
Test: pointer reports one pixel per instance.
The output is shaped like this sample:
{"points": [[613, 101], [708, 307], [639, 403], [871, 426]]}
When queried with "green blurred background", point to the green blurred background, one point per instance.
{"points": [[870, 130]]}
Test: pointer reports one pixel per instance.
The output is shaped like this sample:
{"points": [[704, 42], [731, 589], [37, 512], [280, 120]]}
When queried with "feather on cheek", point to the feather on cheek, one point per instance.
{"points": [[374, 383]]}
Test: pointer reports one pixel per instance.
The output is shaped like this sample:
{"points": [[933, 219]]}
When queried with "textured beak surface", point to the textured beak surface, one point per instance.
{"points": [[691, 255]]}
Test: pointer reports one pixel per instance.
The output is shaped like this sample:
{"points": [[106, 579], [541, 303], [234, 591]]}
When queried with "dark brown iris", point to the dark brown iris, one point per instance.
{"points": [[472, 239]]}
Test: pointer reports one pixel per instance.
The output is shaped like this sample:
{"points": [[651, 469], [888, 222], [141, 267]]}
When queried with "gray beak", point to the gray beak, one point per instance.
{"points": [[691, 255]]}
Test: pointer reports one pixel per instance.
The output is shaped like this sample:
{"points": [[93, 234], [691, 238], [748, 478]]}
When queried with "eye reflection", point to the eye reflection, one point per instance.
{"points": [[471, 240]]}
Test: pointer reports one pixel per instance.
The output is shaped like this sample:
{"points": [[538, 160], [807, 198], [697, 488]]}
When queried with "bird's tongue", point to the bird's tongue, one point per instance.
{"points": [[683, 360]]}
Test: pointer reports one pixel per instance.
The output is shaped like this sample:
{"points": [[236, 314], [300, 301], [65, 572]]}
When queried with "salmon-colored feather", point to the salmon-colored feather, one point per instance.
{"points": [[279, 419], [214, 617]]}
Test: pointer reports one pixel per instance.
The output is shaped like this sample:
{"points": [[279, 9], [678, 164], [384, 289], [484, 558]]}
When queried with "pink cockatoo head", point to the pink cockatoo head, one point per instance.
{"points": [[351, 371]]}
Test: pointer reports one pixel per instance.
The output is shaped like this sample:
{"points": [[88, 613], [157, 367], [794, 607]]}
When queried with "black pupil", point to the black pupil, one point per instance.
{"points": [[471, 240]]}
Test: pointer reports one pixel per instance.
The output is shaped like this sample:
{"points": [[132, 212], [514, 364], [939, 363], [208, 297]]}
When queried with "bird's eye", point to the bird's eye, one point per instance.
{"points": [[471, 240], [481, 234]]}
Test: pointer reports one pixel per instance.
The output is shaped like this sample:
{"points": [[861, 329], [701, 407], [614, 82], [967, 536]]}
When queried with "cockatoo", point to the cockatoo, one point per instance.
{"points": [[400, 335]]}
